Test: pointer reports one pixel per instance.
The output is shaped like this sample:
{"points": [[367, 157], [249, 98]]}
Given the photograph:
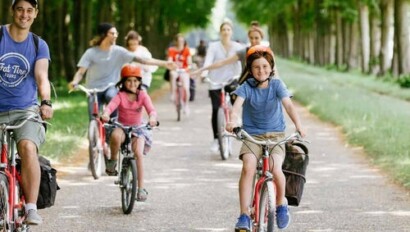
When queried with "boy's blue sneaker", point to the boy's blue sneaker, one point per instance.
{"points": [[282, 216], [243, 224]]}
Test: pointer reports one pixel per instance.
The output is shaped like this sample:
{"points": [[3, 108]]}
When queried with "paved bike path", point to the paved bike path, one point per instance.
{"points": [[191, 189]]}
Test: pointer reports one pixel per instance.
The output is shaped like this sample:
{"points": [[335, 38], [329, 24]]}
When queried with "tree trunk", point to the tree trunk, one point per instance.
{"points": [[365, 37], [386, 9], [374, 42], [401, 35]]}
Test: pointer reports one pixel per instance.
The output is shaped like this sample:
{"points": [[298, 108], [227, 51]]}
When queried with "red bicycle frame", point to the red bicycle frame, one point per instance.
{"points": [[264, 175], [8, 167], [224, 105], [96, 114]]}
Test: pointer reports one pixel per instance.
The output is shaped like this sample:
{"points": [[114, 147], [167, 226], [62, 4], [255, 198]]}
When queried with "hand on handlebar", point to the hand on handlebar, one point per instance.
{"points": [[171, 65], [231, 126], [105, 117]]}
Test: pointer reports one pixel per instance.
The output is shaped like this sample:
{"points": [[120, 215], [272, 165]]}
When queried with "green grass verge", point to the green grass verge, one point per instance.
{"points": [[70, 122], [374, 114]]}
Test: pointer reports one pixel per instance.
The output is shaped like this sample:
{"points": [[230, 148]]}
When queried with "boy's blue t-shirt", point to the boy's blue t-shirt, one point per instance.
{"points": [[18, 87], [262, 107]]}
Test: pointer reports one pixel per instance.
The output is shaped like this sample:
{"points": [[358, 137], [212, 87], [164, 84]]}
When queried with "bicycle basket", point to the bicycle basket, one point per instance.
{"points": [[294, 167]]}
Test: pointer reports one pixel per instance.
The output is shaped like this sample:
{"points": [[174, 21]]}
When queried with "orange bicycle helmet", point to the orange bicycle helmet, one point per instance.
{"points": [[130, 70], [258, 48]]}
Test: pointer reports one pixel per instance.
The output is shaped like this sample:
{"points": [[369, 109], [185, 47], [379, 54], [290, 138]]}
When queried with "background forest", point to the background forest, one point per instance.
{"points": [[371, 35]]}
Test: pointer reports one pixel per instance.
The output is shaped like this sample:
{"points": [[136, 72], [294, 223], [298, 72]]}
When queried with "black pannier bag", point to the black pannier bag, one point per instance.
{"points": [[48, 184], [294, 168]]}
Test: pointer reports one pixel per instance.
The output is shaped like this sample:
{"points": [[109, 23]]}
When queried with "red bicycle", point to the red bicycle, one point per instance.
{"points": [[128, 173], [96, 133], [225, 143], [263, 207], [180, 93], [12, 202]]}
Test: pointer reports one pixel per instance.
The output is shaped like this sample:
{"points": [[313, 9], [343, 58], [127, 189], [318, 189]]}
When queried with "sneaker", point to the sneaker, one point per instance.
{"points": [[32, 217], [282, 216], [110, 168], [244, 223], [214, 146], [142, 195]]}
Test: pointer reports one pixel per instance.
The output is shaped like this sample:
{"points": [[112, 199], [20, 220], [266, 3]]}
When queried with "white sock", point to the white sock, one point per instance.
{"points": [[30, 206]]}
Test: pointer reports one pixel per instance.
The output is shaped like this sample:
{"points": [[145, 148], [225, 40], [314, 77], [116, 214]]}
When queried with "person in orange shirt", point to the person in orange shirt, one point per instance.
{"points": [[181, 55]]}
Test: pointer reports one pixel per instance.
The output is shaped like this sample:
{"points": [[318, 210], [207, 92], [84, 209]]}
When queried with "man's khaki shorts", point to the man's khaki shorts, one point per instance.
{"points": [[32, 131], [249, 147]]}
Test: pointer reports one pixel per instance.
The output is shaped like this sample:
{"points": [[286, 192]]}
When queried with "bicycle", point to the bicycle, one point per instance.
{"points": [[96, 132], [12, 201], [263, 207], [127, 178], [225, 143], [180, 94]]}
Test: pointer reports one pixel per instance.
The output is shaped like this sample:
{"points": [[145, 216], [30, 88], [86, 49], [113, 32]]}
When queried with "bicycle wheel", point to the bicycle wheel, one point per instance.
{"points": [[5, 224], [95, 149], [267, 207], [224, 142], [179, 101], [128, 184]]}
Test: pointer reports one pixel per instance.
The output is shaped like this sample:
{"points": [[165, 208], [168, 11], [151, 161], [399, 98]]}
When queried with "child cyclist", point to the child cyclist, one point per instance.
{"points": [[262, 96], [129, 101]]}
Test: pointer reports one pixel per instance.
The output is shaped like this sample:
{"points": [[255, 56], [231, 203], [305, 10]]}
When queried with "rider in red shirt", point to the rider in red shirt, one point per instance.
{"points": [[181, 55]]}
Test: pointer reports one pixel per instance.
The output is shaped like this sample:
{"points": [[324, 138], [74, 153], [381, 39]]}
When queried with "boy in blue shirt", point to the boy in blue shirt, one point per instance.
{"points": [[262, 96]]}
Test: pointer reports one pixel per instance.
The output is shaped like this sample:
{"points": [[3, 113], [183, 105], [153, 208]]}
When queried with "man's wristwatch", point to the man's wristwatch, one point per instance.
{"points": [[46, 102]]}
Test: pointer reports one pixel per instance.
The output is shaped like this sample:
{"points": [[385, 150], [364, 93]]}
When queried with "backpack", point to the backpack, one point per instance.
{"points": [[294, 167], [36, 38], [48, 184]]}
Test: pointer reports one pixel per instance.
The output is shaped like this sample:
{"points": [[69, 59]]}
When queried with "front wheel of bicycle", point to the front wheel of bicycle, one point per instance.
{"points": [[95, 149], [128, 184], [224, 141], [5, 224], [267, 207]]}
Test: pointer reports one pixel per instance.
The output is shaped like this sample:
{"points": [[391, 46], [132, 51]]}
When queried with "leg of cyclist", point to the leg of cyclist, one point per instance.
{"points": [[172, 81], [138, 144], [29, 138], [282, 211], [116, 139], [186, 83], [106, 98], [245, 189], [215, 96]]}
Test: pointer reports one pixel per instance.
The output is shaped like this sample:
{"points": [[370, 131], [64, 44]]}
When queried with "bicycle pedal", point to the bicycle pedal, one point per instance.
{"points": [[117, 182]]}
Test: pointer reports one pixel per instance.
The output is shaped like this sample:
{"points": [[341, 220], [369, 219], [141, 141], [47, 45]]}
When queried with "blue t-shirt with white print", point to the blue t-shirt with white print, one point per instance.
{"points": [[18, 88], [262, 108]]}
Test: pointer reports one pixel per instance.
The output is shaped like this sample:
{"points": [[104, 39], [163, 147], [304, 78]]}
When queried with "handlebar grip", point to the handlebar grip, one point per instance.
{"points": [[236, 130]]}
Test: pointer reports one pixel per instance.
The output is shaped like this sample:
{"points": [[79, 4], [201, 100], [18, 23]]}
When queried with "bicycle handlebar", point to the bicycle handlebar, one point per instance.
{"points": [[208, 80], [114, 123], [32, 116], [89, 92], [241, 135]]}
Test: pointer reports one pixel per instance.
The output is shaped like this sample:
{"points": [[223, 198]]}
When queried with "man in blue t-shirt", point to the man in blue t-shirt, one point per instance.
{"points": [[24, 62]]}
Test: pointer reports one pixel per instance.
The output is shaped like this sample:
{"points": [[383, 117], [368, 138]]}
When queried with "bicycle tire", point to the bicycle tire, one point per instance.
{"points": [[179, 102], [224, 142], [95, 149], [267, 207], [5, 225], [128, 184]]}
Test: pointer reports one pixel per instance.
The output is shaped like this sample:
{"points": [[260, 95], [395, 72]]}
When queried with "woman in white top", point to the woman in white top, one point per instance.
{"points": [[220, 50], [133, 44]]}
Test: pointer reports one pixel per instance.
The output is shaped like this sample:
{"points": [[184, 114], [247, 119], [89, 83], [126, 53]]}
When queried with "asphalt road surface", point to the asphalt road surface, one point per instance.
{"points": [[192, 189]]}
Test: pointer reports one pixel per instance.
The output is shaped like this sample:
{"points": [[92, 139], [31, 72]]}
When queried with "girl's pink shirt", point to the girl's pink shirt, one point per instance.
{"points": [[130, 112]]}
